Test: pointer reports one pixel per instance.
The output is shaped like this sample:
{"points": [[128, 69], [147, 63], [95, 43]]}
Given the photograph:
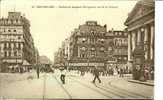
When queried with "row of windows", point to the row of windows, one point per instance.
{"points": [[90, 40], [122, 58], [92, 33], [10, 37], [93, 48], [120, 51], [10, 21], [10, 30], [8, 54], [14, 45], [89, 55], [119, 42], [86, 56], [120, 33]]}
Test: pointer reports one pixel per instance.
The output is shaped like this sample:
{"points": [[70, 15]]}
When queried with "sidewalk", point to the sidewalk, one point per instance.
{"points": [[148, 82]]}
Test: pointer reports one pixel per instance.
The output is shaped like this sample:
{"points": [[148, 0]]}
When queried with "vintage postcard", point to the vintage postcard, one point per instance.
{"points": [[77, 49]]}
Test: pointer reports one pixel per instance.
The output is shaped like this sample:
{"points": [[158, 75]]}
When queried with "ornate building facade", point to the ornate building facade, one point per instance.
{"points": [[140, 26], [16, 42], [89, 45]]}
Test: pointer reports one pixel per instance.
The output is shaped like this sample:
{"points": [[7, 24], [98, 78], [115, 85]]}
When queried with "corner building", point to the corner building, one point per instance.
{"points": [[16, 42], [89, 45]]}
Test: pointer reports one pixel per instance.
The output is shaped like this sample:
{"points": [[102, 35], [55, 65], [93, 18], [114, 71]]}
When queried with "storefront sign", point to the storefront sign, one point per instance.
{"points": [[86, 64]]}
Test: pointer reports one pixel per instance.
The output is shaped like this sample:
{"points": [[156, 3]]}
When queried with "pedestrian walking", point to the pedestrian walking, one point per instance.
{"points": [[37, 71], [121, 72], [63, 75], [96, 75]]}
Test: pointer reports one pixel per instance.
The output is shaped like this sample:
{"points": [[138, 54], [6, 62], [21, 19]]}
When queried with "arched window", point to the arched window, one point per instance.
{"points": [[116, 42]]}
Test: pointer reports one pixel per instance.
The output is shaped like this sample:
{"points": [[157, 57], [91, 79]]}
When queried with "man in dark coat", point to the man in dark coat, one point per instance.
{"points": [[96, 75], [37, 70], [63, 75]]}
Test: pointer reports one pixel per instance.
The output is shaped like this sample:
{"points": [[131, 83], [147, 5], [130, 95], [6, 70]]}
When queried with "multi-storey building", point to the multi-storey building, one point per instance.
{"points": [[16, 42], [88, 45], [117, 48], [120, 47], [140, 26], [62, 56]]}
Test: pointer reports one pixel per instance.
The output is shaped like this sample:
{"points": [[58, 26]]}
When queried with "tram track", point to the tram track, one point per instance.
{"points": [[130, 93], [44, 86], [118, 91], [122, 93], [106, 94], [109, 91], [64, 89]]}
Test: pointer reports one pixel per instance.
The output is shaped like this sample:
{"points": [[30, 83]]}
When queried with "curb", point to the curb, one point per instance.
{"points": [[141, 83]]}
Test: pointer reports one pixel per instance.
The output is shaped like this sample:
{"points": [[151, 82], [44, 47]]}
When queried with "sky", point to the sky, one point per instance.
{"points": [[52, 25]]}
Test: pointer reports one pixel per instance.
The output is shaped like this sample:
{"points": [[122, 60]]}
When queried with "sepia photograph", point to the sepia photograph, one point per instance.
{"points": [[77, 49]]}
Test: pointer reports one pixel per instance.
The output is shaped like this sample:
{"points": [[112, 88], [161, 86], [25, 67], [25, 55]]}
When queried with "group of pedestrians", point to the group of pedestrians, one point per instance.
{"points": [[96, 72]]}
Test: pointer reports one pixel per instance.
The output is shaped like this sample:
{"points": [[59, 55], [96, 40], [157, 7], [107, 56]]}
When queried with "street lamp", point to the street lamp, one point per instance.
{"points": [[142, 29]]}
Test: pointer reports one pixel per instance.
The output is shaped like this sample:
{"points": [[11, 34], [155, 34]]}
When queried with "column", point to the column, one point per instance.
{"points": [[138, 36], [133, 40], [129, 46], [152, 43], [146, 41], [78, 51]]}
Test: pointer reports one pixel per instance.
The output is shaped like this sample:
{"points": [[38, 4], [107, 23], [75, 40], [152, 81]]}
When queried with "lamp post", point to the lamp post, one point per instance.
{"points": [[65, 62]]}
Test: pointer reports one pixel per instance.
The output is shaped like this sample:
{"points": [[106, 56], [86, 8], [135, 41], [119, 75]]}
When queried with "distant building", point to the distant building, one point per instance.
{"points": [[16, 42], [45, 60]]}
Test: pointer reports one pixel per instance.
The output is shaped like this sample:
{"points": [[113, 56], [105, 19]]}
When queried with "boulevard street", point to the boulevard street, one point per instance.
{"points": [[77, 87]]}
